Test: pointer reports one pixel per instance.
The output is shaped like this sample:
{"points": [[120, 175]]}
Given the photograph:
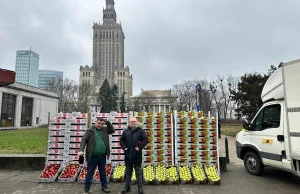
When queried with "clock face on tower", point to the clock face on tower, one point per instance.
{"points": [[109, 6]]}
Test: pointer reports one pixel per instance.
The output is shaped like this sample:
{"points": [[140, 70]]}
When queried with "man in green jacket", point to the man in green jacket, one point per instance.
{"points": [[96, 141]]}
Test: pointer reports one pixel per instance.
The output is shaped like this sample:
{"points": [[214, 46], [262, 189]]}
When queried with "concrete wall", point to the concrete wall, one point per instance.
{"points": [[43, 102]]}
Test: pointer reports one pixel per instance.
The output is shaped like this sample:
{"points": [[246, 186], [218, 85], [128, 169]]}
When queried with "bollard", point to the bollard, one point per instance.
{"points": [[226, 149]]}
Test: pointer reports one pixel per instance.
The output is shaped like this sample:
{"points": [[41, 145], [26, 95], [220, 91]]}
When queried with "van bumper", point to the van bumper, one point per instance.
{"points": [[239, 148]]}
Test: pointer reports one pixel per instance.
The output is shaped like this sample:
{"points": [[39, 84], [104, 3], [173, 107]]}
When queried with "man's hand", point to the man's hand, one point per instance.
{"points": [[80, 153], [125, 149], [137, 149]]}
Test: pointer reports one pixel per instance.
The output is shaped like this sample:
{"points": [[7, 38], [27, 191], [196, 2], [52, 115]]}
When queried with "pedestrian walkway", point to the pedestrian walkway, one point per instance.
{"points": [[235, 181], [231, 148]]}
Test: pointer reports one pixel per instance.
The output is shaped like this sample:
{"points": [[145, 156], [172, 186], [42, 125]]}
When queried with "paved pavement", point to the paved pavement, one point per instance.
{"points": [[236, 180], [231, 148]]}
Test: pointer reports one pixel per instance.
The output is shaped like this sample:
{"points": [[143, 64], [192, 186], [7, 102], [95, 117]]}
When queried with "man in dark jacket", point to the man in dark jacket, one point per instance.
{"points": [[133, 140], [96, 141]]}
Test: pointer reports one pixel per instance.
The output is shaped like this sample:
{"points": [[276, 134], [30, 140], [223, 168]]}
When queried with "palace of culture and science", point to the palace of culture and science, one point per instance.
{"points": [[108, 55]]}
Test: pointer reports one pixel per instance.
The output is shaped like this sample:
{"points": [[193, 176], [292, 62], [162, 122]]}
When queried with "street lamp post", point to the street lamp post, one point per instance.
{"points": [[198, 89]]}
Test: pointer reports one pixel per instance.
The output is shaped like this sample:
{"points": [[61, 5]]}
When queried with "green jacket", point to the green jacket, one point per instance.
{"points": [[88, 140]]}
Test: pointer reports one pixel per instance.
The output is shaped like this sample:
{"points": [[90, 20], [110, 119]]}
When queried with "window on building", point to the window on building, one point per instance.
{"points": [[83, 73], [26, 114], [8, 110]]}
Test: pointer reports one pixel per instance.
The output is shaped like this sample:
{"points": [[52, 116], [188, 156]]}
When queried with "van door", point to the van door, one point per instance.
{"points": [[267, 135]]}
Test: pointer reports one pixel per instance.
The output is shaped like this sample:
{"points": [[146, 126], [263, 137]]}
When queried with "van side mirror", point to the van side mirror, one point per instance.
{"points": [[247, 125]]}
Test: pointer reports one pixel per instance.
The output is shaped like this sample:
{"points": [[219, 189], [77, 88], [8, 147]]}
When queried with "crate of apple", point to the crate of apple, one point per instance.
{"points": [[172, 175], [212, 175], [161, 174], [108, 170], [118, 174], [149, 174], [70, 173], [185, 174], [50, 173], [198, 174], [168, 132]]}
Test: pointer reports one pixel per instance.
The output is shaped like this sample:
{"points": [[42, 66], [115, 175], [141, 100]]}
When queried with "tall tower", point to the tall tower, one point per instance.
{"points": [[27, 67], [108, 45]]}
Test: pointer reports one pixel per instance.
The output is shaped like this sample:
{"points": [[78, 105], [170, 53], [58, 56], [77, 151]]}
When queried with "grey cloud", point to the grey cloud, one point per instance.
{"points": [[166, 41]]}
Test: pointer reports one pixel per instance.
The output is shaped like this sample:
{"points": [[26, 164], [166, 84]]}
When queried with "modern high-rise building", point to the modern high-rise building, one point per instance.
{"points": [[27, 67], [108, 55], [48, 76], [108, 45]]}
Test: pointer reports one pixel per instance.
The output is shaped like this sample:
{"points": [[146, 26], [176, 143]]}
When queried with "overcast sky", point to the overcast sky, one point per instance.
{"points": [[166, 40]]}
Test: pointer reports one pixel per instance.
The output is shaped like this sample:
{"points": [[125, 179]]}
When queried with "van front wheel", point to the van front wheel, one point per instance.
{"points": [[253, 164]]}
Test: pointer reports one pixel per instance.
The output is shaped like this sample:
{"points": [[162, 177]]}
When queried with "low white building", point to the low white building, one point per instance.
{"points": [[153, 101], [22, 105]]}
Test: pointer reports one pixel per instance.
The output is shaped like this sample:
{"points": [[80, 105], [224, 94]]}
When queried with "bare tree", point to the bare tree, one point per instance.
{"points": [[170, 98], [205, 98], [232, 86], [225, 94], [67, 91], [85, 95], [178, 90], [220, 90], [141, 102], [216, 95]]}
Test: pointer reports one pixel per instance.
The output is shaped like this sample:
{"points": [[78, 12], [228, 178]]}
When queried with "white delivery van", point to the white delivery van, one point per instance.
{"points": [[272, 138]]}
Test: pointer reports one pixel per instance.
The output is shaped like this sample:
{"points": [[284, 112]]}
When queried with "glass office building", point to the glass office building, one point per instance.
{"points": [[46, 76], [27, 67]]}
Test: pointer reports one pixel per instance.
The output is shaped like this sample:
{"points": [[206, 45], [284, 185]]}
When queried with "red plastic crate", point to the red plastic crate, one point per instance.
{"points": [[57, 133], [51, 178], [55, 145], [74, 173]]}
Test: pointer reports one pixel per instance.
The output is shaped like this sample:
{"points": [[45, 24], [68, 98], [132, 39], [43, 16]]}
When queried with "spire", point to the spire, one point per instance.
{"points": [[109, 13], [110, 4]]}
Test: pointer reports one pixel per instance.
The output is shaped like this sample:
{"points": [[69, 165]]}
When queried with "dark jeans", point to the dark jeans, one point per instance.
{"points": [[219, 130], [99, 161], [138, 172]]}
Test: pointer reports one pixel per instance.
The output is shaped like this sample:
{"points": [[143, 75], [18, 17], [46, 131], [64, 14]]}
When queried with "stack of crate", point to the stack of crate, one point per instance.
{"points": [[65, 133], [119, 121], [56, 139], [196, 138], [55, 152], [159, 129], [76, 127]]}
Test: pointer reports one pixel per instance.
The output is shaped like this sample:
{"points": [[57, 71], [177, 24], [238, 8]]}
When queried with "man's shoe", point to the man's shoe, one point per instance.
{"points": [[127, 189], [105, 189], [140, 190]]}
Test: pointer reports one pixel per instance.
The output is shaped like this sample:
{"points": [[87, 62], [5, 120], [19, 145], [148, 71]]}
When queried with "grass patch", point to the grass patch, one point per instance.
{"points": [[34, 141], [231, 129], [24, 141]]}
